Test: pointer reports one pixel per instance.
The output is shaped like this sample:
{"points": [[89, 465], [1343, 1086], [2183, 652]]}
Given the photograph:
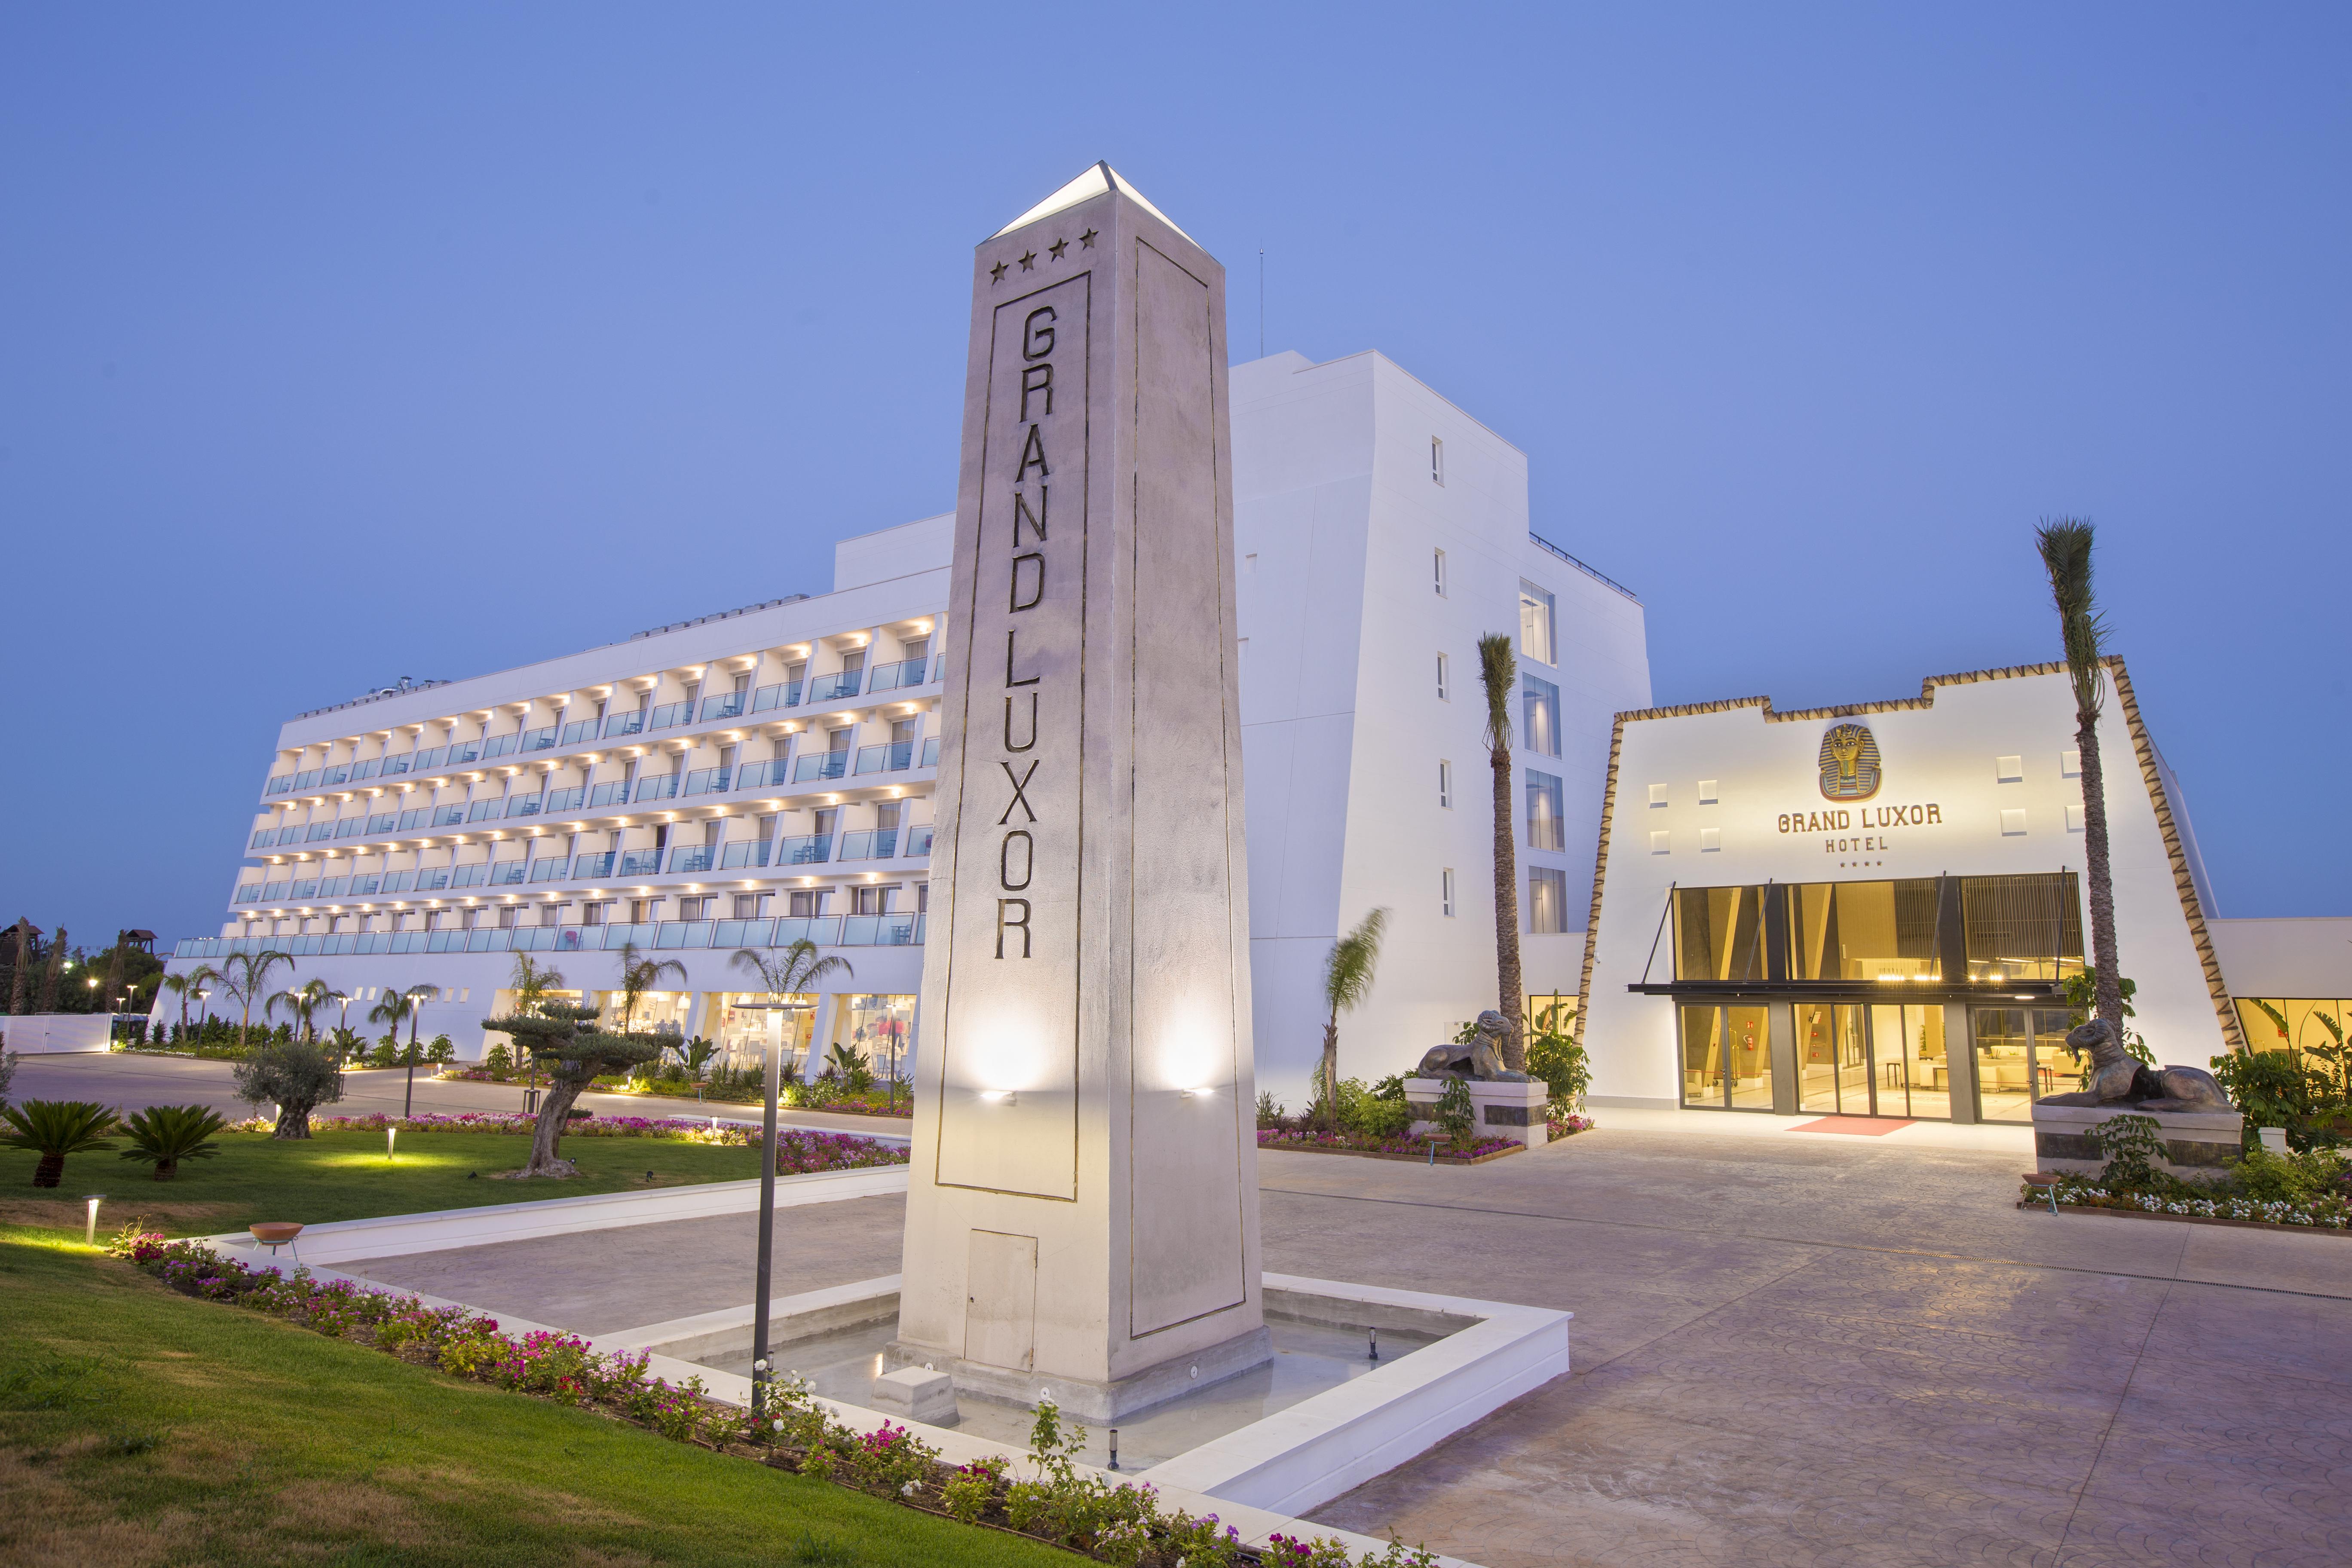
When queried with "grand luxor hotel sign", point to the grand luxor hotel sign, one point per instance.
{"points": [[1852, 771]]}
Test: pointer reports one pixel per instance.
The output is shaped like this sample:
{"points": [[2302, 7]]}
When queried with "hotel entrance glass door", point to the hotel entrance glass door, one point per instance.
{"points": [[1873, 1059]]}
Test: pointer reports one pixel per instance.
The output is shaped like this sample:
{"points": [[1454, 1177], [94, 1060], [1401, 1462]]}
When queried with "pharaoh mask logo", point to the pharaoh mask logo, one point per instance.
{"points": [[1850, 767]]}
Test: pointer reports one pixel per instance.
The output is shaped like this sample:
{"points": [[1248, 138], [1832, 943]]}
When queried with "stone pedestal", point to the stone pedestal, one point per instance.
{"points": [[2195, 1142], [1513, 1111], [1082, 1206], [916, 1394]]}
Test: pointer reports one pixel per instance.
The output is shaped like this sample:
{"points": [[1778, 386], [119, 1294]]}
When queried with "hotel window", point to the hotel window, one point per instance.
{"points": [[1547, 828], [749, 906], [594, 914], [870, 900], [808, 904], [1436, 461], [693, 908], [1446, 785], [507, 913], [1442, 683], [1445, 892], [1437, 572], [1547, 900], [1540, 712], [1535, 629]]}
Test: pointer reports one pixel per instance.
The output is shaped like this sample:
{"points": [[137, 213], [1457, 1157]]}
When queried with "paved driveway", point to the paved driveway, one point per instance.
{"points": [[133, 1080]]}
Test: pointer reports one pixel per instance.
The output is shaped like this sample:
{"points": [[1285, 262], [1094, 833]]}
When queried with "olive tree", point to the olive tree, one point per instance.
{"points": [[297, 1075], [560, 1038]]}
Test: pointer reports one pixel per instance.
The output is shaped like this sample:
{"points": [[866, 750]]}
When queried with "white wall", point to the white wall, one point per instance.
{"points": [[2308, 958]]}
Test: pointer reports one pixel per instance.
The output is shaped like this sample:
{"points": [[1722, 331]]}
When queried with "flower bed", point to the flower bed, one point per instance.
{"points": [[799, 1150], [2086, 1194], [1051, 1502], [1370, 1147]]}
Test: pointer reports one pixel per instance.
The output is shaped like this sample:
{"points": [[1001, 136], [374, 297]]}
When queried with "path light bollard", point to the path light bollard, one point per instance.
{"points": [[89, 1231], [1114, 1448], [390, 1135]]}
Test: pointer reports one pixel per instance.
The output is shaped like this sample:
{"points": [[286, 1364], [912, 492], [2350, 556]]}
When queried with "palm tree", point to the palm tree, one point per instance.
{"points": [[394, 1006], [1346, 981], [54, 1129], [2065, 547], [1498, 667], [531, 982], [246, 976], [301, 1004], [186, 985], [794, 972], [163, 1135], [640, 974]]}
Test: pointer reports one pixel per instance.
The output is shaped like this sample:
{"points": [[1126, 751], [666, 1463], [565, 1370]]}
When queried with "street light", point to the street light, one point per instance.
{"points": [[762, 1374]]}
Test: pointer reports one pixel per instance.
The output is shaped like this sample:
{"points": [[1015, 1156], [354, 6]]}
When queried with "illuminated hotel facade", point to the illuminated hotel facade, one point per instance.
{"points": [[766, 775]]}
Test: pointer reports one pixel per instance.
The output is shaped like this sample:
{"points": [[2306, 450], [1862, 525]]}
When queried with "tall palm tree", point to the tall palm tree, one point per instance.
{"points": [[394, 1006], [1498, 667], [183, 986], [794, 972], [1346, 981], [640, 974], [2065, 547], [246, 976], [531, 982]]}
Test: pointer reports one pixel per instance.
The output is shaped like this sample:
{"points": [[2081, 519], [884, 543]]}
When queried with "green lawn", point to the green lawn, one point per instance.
{"points": [[142, 1427], [344, 1175]]}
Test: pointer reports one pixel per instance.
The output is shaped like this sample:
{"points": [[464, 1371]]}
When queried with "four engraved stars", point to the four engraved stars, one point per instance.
{"points": [[1029, 259]]}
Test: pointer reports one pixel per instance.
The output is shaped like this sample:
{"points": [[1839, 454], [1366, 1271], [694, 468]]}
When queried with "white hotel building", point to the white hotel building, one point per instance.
{"points": [[752, 778]]}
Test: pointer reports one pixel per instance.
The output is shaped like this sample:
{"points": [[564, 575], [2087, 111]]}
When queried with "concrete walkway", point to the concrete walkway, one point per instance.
{"points": [[134, 1080], [1791, 1348]]}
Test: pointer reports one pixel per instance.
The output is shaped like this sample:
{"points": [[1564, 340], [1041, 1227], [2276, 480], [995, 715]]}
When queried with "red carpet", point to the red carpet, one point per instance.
{"points": [[1860, 1126]]}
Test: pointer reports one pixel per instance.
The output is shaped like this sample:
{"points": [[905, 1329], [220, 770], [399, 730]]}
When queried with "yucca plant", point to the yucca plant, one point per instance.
{"points": [[54, 1129], [163, 1135]]}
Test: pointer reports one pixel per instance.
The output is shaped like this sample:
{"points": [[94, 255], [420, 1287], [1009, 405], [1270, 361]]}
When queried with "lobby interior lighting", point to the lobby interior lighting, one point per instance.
{"points": [[1000, 1096]]}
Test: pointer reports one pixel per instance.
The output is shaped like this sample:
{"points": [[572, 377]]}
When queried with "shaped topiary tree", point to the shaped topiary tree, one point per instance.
{"points": [[560, 1039]]}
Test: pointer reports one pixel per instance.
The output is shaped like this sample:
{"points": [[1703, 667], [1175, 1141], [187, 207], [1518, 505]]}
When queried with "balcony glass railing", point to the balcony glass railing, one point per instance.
{"points": [[273, 891], [808, 850], [506, 873], [396, 766], [477, 875], [687, 859], [640, 862], [292, 834], [334, 887], [362, 771], [432, 878], [783, 694], [317, 831], [430, 757], [448, 816], [892, 676], [523, 805], [727, 705], [540, 739], [930, 752], [657, 786], [918, 840], [263, 839], [890, 757], [706, 781], [826, 688], [279, 785], [613, 794], [587, 865], [820, 766], [464, 752], [329, 777], [579, 730], [869, 844], [745, 852], [309, 779], [554, 870], [498, 745], [754, 775], [410, 821], [623, 724], [365, 887], [824, 930], [484, 810], [670, 714], [398, 881], [247, 893], [566, 799], [350, 827], [383, 822]]}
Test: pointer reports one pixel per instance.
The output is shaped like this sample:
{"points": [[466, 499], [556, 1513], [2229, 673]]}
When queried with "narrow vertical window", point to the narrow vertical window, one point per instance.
{"points": [[1445, 892], [1443, 687], [1547, 900], [1437, 572], [1436, 461], [1446, 785], [1539, 705], [1535, 624]]}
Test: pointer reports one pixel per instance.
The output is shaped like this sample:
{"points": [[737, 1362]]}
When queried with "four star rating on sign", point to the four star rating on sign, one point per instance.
{"points": [[1028, 260]]}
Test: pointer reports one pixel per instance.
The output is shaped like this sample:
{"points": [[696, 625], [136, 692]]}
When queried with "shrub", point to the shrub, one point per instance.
{"points": [[2266, 1177], [1554, 1056], [499, 1059], [1454, 1113], [1269, 1114], [55, 1129], [443, 1049], [7, 1071], [2131, 1144], [2273, 1089], [164, 1135], [386, 1053], [297, 1076]]}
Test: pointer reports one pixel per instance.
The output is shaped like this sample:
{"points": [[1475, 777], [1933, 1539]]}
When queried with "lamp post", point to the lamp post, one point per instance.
{"points": [[761, 1373]]}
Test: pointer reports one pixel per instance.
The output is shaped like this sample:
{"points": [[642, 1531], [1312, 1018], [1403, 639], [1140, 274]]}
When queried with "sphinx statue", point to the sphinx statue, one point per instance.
{"points": [[1480, 1062], [2118, 1080]]}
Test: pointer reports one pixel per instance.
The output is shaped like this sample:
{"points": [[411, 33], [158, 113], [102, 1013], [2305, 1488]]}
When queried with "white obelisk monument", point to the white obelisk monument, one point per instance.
{"points": [[1082, 1213]]}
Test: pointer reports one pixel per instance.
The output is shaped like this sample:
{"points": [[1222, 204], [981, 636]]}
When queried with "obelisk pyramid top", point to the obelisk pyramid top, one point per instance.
{"points": [[1098, 180]]}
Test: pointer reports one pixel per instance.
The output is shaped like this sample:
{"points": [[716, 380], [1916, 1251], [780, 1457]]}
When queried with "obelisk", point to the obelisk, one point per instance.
{"points": [[1082, 1212]]}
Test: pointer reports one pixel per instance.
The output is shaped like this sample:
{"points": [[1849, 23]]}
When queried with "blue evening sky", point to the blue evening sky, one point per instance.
{"points": [[344, 342]]}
